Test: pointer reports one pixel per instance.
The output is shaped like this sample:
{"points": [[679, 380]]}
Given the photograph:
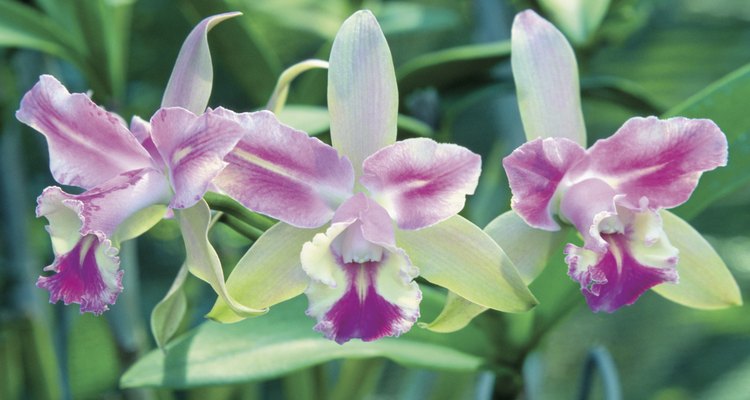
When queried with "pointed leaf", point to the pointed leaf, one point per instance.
{"points": [[190, 84], [705, 281], [362, 93], [459, 256], [579, 19], [546, 76], [168, 313], [201, 259], [457, 313], [269, 273], [23, 26], [528, 248]]}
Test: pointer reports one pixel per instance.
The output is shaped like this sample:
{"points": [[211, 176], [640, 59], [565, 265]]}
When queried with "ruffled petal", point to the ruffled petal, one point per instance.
{"points": [[534, 172], [87, 145], [362, 92], [281, 172], [546, 77], [142, 131], [193, 147], [366, 300], [658, 159], [633, 262], [421, 182], [88, 275], [590, 206]]}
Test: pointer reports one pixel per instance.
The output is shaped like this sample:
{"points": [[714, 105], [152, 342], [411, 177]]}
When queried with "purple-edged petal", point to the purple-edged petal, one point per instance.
{"points": [[193, 148], [100, 210], [633, 262], [88, 275], [376, 224], [546, 76], [190, 84], [534, 172], [281, 172], [362, 93], [366, 300], [590, 206], [87, 145], [658, 159], [142, 131], [421, 182]]}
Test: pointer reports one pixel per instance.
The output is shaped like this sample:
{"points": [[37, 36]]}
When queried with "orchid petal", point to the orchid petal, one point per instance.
{"points": [[194, 148], [590, 206], [366, 300], [534, 172], [658, 159], [705, 281], [456, 314], [421, 182], [546, 76], [362, 93], [190, 84], [528, 248], [376, 224], [88, 275], [281, 172], [633, 262], [141, 129], [102, 209], [459, 256], [269, 273], [87, 145], [202, 260]]}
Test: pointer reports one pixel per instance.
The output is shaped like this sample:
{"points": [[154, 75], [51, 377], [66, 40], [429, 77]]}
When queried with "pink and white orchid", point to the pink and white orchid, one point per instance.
{"points": [[358, 271], [612, 193], [170, 161]]}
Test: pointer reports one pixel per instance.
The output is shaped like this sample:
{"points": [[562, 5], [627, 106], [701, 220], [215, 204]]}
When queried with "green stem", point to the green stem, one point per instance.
{"points": [[232, 207], [358, 378], [278, 98], [599, 358]]}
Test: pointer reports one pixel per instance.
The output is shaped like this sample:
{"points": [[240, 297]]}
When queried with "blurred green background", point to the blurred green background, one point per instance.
{"points": [[644, 58]]}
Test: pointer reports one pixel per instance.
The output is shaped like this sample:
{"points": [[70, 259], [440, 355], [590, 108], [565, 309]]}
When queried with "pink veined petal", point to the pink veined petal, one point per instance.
{"points": [[87, 145], [88, 275], [535, 171], [281, 172], [546, 77], [142, 131], [661, 160], [362, 92], [421, 182], [101, 209], [634, 261], [193, 147], [370, 233], [366, 300], [590, 206]]}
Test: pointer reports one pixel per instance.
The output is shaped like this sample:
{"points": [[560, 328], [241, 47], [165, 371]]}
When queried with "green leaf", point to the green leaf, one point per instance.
{"points": [[447, 67], [169, 311], [283, 341], [705, 281], [725, 103], [23, 26], [459, 256], [139, 223], [457, 313], [269, 273], [313, 120], [202, 260], [579, 19], [530, 249], [412, 127]]}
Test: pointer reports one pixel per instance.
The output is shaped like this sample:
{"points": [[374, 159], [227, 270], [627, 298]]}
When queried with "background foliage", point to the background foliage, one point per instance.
{"points": [[665, 57]]}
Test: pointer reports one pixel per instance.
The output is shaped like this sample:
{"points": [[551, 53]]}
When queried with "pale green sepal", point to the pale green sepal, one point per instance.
{"points": [[579, 19], [168, 313], [201, 258], [269, 273], [190, 84], [546, 76], [278, 98], [705, 281], [456, 314], [460, 257], [362, 92], [140, 222], [527, 247]]}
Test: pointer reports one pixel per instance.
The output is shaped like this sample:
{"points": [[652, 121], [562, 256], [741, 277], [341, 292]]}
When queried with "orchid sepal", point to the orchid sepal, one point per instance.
{"points": [[456, 314]]}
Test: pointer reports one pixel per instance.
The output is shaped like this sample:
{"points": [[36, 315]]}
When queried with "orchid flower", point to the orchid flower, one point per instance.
{"points": [[128, 175], [338, 205], [615, 192]]}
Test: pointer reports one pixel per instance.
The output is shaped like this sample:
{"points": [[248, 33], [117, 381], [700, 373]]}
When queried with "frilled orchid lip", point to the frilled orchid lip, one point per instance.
{"points": [[87, 275]]}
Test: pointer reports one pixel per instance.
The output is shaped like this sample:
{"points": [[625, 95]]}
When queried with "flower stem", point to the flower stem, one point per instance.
{"points": [[280, 92]]}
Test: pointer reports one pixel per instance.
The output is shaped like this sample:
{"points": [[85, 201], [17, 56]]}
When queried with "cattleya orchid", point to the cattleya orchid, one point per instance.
{"points": [[128, 175], [338, 205], [614, 192]]}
